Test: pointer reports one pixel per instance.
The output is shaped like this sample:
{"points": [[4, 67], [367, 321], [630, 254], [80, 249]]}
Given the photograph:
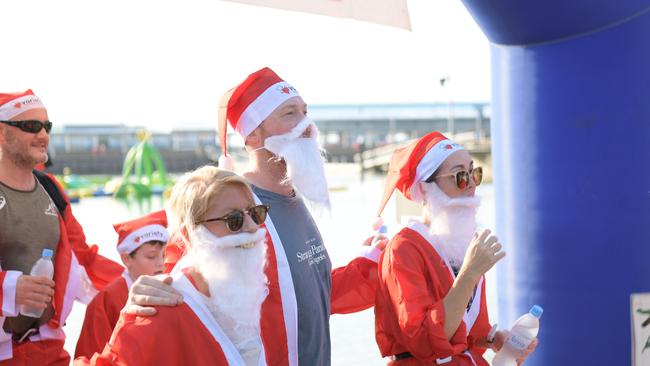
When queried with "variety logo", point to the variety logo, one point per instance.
{"points": [[287, 89], [448, 146], [149, 236]]}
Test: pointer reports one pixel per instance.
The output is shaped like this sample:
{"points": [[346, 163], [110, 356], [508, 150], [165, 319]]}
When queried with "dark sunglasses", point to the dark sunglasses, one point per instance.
{"points": [[235, 219], [462, 177], [31, 125]]}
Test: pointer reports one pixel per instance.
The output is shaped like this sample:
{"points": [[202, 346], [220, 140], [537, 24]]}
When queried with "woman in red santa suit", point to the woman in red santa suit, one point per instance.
{"points": [[430, 307], [221, 279]]}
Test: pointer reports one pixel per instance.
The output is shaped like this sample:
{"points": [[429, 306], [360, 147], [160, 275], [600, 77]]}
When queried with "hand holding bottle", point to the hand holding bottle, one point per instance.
{"points": [[37, 289]]}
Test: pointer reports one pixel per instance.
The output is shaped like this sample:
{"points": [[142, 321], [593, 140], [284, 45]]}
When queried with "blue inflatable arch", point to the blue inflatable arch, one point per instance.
{"points": [[571, 156]]}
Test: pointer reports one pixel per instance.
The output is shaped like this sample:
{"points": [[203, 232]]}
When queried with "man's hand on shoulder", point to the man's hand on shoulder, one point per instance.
{"points": [[148, 291]]}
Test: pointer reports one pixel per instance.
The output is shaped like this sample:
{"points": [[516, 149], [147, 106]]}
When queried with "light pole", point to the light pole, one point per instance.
{"points": [[444, 83]]}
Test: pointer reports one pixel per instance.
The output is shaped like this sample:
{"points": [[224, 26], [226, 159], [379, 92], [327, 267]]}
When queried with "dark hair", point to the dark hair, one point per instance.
{"points": [[432, 177], [152, 242]]}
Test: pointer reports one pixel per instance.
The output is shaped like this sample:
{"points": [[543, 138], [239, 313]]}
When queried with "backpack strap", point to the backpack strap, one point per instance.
{"points": [[53, 190]]}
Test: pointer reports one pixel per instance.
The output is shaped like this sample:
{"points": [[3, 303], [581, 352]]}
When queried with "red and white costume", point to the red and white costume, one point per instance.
{"points": [[415, 276], [409, 314], [103, 312], [79, 272], [187, 334], [102, 315], [353, 289], [353, 286]]}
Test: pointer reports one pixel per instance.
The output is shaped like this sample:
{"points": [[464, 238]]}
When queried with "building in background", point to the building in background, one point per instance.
{"points": [[346, 131]]}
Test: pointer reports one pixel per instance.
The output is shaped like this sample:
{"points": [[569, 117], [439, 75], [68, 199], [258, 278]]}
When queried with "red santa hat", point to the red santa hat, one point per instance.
{"points": [[13, 104], [250, 103], [415, 163], [136, 232]]}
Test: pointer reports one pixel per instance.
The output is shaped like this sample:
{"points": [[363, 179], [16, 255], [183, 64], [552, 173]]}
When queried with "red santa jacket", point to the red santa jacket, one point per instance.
{"points": [[353, 289], [409, 311], [187, 334], [101, 317]]}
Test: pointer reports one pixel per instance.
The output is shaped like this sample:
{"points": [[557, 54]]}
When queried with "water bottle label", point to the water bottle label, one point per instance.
{"points": [[518, 342]]}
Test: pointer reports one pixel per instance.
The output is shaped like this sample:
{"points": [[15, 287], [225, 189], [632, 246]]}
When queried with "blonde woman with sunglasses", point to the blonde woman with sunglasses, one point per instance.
{"points": [[221, 279]]}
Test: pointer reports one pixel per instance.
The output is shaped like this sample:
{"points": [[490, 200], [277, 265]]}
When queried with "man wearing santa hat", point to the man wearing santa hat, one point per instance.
{"points": [[35, 214], [141, 244], [431, 306], [286, 169], [221, 278]]}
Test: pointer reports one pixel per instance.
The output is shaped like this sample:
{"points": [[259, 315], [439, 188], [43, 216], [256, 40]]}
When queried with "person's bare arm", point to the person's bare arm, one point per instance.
{"points": [[483, 252]]}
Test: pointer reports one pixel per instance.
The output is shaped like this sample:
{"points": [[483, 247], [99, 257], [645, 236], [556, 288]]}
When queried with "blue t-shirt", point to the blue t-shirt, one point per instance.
{"points": [[311, 271]]}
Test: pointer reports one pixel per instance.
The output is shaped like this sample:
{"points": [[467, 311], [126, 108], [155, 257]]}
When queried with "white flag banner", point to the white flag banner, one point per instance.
{"points": [[393, 13], [640, 308]]}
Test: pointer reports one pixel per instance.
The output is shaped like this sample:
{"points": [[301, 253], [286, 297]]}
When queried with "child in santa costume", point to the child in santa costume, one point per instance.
{"points": [[141, 245]]}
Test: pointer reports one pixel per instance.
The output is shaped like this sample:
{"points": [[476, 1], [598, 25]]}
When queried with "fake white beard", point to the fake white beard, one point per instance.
{"points": [[305, 164], [238, 285], [453, 221]]}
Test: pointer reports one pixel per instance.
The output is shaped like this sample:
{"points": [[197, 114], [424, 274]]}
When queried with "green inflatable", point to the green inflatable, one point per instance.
{"points": [[143, 172]]}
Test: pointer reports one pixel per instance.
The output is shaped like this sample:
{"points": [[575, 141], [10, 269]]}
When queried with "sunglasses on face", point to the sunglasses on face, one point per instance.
{"points": [[235, 219], [31, 126], [462, 177]]}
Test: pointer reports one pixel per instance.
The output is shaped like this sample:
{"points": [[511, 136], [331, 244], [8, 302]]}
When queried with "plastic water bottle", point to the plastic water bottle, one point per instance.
{"points": [[45, 268], [523, 332]]}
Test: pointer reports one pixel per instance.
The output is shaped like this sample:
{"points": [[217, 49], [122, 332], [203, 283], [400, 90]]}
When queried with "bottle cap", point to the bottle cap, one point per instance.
{"points": [[48, 253], [536, 311], [377, 223]]}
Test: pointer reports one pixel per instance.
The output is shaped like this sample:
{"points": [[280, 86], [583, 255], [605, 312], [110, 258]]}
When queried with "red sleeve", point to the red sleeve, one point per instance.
{"points": [[2, 280], [102, 315], [100, 270], [133, 343], [354, 286], [418, 305], [96, 330], [174, 336]]}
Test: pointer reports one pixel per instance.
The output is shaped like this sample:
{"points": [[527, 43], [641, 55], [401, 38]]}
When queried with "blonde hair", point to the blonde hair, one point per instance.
{"points": [[194, 192]]}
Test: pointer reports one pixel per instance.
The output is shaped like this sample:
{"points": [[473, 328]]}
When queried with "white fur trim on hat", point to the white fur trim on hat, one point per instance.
{"points": [[429, 163], [263, 105], [19, 105], [141, 236]]}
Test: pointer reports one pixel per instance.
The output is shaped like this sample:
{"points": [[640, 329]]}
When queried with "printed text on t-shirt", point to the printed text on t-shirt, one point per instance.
{"points": [[315, 254]]}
